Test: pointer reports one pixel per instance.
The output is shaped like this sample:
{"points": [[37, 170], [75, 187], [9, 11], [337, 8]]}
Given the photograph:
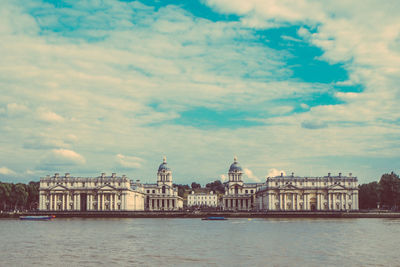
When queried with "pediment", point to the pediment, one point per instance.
{"points": [[336, 187], [106, 188], [59, 188], [288, 187]]}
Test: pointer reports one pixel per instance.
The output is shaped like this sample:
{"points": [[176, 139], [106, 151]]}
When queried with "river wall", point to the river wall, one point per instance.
{"points": [[202, 214]]}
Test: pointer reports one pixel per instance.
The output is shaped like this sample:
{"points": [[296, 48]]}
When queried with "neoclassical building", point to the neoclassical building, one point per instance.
{"points": [[103, 193], [202, 199], [239, 195], [162, 195], [291, 193]]}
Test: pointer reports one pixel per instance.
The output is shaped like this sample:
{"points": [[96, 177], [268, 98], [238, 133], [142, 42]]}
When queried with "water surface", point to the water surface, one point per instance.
{"points": [[187, 242]]}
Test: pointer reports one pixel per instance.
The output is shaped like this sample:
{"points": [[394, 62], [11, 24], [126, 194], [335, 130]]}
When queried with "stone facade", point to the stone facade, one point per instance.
{"points": [[201, 199], [103, 193], [162, 195], [290, 193], [239, 195]]}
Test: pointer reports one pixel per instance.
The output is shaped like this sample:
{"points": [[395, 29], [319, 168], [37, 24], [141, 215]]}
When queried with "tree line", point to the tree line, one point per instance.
{"points": [[385, 193], [19, 196]]}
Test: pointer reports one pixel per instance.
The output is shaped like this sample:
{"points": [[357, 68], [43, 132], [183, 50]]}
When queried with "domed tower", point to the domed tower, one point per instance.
{"points": [[235, 171], [164, 174]]}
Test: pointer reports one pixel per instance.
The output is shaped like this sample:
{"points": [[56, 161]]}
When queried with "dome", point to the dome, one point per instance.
{"points": [[235, 167], [163, 166]]}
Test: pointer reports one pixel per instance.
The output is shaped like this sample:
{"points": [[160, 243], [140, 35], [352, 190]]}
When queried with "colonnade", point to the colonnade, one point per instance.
{"points": [[162, 203], [238, 203], [307, 201], [72, 201]]}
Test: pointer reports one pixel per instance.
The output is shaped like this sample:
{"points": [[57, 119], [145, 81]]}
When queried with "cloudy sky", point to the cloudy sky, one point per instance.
{"points": [[112, 86]]}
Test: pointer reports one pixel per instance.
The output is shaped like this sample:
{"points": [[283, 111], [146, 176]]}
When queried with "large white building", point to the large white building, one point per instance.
{"points": [[239, 195], [162, 195], [202, 199], [103, 193], [291, 193]]}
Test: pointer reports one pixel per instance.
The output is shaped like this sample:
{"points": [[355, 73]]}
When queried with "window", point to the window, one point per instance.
{"points": [[251, 191], [163, 191], [83, 184], [247, 191], [48, 184], [154, 191], [119, 184], [148, 191]]}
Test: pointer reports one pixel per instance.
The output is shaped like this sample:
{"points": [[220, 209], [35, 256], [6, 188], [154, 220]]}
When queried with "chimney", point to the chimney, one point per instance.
{"points": [[340, 174], [281, 174], [56, 175], [113, 175], [67, 175], [292, 174], [329, 174], [103, 174], [350, 174]]}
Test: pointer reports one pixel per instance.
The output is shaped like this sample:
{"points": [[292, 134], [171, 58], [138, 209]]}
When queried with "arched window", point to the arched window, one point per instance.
{"points": [[163, 189], [236, 190]]}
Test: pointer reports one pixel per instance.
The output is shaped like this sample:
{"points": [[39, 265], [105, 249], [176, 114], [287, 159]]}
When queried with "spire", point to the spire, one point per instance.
{"points": [[235, 158], [165, 159]]}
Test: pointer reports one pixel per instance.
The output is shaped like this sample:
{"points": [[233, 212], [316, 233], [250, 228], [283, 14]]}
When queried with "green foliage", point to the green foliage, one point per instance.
{"points": [[19, 196], [389, 189], [195, 185], [368, 196], [182, 189], [216, 186], [386, 193]]}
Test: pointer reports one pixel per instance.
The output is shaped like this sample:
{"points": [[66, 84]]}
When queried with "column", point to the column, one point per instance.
{"points": [[280, 201], [306, 203], [78, 201], [89, 202], [62, 201], [102, 201]]}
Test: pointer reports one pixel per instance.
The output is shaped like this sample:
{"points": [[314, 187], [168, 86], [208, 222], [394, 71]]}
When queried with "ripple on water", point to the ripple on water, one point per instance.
{"points": [[167, 242]]}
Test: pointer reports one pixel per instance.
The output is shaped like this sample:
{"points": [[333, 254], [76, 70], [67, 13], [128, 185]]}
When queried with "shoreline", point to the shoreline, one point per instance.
{"points": [[202, 214]]}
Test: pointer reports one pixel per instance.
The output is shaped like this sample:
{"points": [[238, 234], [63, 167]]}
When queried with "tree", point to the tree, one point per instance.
{"points": [[5, 191], [182, 189], [19, 195], [33, 195], [389, 189], [195, 185], [369, 195], [216, 186]]}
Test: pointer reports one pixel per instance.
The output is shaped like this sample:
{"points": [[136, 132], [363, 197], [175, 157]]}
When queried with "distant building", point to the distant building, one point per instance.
{"points": [[290, 193], [103, 193], [162, 195], [202, 199], [239, 195]]}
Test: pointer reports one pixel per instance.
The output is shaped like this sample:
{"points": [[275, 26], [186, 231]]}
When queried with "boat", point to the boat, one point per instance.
{"points": [[37, 218], [214, 219]]}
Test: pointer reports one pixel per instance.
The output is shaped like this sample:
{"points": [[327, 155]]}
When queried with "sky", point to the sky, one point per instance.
{"points": [[95, 86]]}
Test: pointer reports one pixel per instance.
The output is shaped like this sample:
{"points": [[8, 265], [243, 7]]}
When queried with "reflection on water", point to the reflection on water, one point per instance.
{"points": [[235, 242]]}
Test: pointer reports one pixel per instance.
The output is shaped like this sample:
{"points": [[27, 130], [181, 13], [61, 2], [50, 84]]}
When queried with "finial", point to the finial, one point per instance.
{"points": [[235, 158], [165, 159]]}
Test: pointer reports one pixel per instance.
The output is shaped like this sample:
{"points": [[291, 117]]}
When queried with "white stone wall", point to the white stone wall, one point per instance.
{"points": [[309, 193], [103, 193]]}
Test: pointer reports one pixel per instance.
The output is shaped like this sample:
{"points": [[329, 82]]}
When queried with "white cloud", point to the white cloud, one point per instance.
{"points": [[251, 176], [129, 161], [6, 171], [59, 158], [275, 172], [49, 116], [223, 178]]}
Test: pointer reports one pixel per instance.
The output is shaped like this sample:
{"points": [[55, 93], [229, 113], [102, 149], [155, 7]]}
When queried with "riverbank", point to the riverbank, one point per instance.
{"points": [[202, 214]]}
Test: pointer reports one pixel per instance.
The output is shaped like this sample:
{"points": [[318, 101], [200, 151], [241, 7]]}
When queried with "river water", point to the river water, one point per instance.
{"points": [[188, 242]]}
